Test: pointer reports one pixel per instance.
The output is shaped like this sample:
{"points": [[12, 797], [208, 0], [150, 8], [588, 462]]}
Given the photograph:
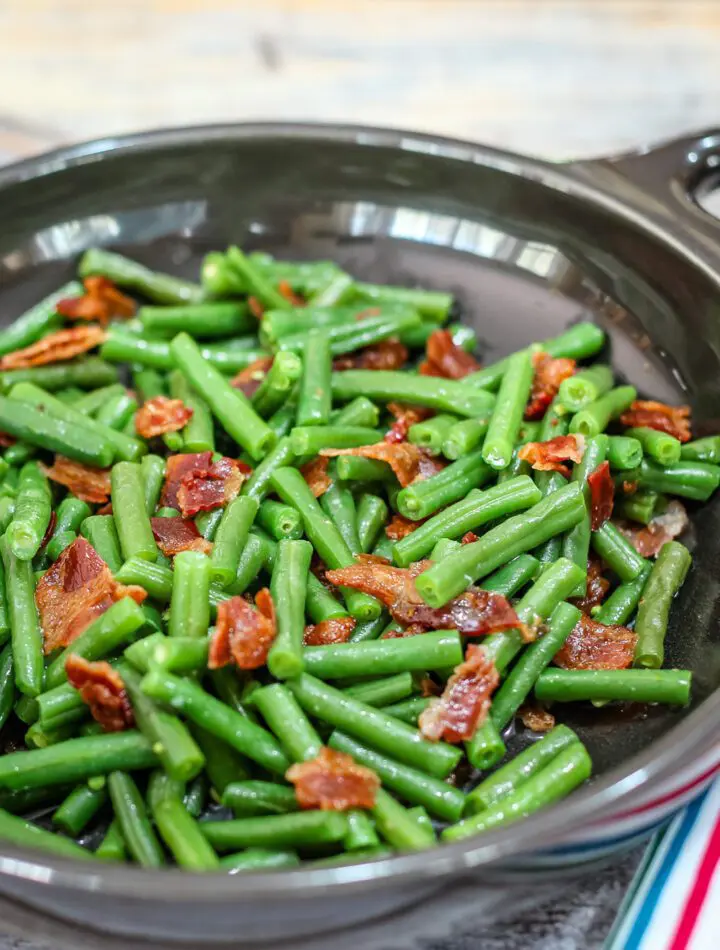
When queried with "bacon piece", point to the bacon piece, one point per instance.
{"points": [[649, 539], [402, 457], [285, 290], [84, 481], [549, 373], [174, 535], [75, 591], [400, 527], [536, 718], [333, 781], [465, 701], [160, 415], [595, 646], [602, 495], [48, 531], [316, 475], [388, 354], [102, 689], [101, 302], [629, 488], [411, 631], [256, 308], [469, 537], [248, 380], [6, 440], [212, 489], [335, 630], [446, 359], [595, 589], [177, 468], [405, 416], [549, 456], [674, 420], [55, 347], [243, 633], [474, 612]]}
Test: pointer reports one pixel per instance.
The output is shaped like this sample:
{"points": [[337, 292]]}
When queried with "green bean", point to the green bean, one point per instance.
{"points": [[431, 433], [112, 847], [117, 411], [176, 826], [423, 498], [508, 411], [26, 635], [195, 796], [231, 408], [33, 508], [207, 522], [383, 691], [634, 686], [507, 779], [199, 434], [535, 658], [325, 538], [369, 630], [409, 710], [130, 513], [373, 726], [462, 335], [258, 859], [618, 553], [71, 512], [100, 531], [55, 733], [7, 684], [511, 578], [259, 798], [371, 516], [258, 485], [223, 765], [104, 635], [359, 412], [282, 421], [585, 387], [441, 799], [17, 831], [122, 346], [315, 400], [397, 826], [426, 651], [230, 539], [189, 604], [346, 338], [624, 452], [288, 722], [309, 440], [83, 373], [640, 506], [202, 320], [660, 446], [464, 436], [56, 702], [255, 281], [297, 829], [161, 288], [594, 418], [695, 480], [288, 589], [277, 384], [486, 747], [152, 469], [216, 717], [619, 607], [433, 304], [352, 468], [445, 395], [137, 830], [253, 559], [568, 769], [147, 382], [578, 342], [478, 508], [339, 287], [665, 579], [280, 521], [179, 654], [338, 504], [702, 450], [36, 322], [78, 809], [361, 834], [124, 447], [523, 532], [576, 543], [17, 454]]}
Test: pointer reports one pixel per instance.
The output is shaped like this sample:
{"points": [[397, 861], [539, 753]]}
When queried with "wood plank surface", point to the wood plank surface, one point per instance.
{"points": [[550, 77]]}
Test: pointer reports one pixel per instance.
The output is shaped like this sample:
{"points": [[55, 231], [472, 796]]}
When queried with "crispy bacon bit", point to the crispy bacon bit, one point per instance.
{"points": [[248, 380], [594, 646], [549, 373], [474, 612], [85, 482], [101, 302], [335, 630], [536, 718], [405, 416], [243, 633], [75, 591], [446, 359], [629, 488], [55, 347], [469, 537], [465, 701], [401, 527], [286, 291], [6, 440], [596, 587], [256, 308], [194, 483], [649, 539], [395, 633], [174, 535], [316, 475], [674, 420], [333, 781], [106, 509], [388, 354], [403, 458], [161, 415], [602, 495], [549, 456], [102, 689], [428, 687], [179, 467]]}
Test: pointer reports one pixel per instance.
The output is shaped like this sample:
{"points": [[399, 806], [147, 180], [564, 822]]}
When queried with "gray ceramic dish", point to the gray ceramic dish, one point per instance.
{"points": [[527, 248]]}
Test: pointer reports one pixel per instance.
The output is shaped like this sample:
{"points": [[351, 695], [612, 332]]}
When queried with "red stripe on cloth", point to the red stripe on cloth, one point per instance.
{"points": [[696, 897], [676, 793]]}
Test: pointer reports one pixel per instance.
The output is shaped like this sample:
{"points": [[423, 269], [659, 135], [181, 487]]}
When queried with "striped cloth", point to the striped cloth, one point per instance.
{"points": [[673, 902]]}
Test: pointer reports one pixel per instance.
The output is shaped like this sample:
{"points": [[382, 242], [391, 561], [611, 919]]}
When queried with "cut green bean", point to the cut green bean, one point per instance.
{"points": [[425, 651], [631, 686], [371, 517], [315, 400], [578, 391], [71, 512], [78, 809], [423, 498], [595, 418], [688, 479], [702, 450], [617, 552], [230, 539], [277, 384], [624, 452], [280, 521], [665, 579], [383, 691], [26, 635], [259, 798], [619, 607], [464, 436], [288, 722], [189, 604], [508, 411], [288, 589], [445, 395], [161, 288], [176, 826], [297, 829], [129, 510], [102, 534], [130, 812], [660, 446], [33, 508], [431, 433]]}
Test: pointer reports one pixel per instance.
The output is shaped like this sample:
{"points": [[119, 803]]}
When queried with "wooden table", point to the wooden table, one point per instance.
{"points": [[551, 77]]}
